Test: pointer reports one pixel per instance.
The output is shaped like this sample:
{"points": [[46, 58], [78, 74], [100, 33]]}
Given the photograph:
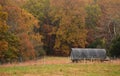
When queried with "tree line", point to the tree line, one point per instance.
{"points": [[33, 28]]}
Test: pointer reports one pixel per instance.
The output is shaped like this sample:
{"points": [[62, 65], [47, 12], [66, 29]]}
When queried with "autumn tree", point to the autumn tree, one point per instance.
{"points": [[62, 23], [9, 43], [110, 19], [71, 30], [22, 24], [46, 22]]}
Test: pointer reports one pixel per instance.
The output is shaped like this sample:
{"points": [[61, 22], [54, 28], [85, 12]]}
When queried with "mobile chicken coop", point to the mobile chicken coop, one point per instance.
{"points": [[87, 53]]}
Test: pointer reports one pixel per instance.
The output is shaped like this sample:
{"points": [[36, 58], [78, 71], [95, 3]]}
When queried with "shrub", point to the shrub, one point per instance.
{"points": [[115, 47]]}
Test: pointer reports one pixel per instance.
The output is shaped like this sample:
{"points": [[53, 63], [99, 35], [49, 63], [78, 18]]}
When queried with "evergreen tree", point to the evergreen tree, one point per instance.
{"points": [[115, 47]]}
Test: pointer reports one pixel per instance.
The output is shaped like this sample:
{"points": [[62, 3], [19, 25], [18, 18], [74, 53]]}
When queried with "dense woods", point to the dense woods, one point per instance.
{"points": [[30, 29]]}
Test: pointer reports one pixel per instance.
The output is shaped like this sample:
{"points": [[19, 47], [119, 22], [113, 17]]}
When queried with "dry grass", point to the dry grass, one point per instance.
{"points": [[61, 66]]}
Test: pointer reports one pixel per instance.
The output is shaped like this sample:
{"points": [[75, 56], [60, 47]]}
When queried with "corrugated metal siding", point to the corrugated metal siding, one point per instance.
{"points": [[87, 53]]}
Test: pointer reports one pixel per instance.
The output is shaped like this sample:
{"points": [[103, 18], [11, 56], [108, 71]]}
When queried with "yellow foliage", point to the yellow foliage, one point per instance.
{"points": [[3, 45], [3, 18], [65, 49], [57, 44]]}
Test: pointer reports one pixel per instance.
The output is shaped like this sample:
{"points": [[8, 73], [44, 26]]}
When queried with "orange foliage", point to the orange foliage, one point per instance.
{"points": [[22, 24]]}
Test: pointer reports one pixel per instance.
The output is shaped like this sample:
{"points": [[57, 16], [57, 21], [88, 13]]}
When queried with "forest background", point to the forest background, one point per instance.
{"points": [[30, 29]]}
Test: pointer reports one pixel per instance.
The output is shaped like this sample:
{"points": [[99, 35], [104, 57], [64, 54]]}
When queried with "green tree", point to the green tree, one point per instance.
{"points": [[92, 21], [115, 47], [93, 15], [39, 8]]}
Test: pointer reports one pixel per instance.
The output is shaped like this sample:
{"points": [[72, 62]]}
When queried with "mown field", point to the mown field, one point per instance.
{"points": [[60, 66]]}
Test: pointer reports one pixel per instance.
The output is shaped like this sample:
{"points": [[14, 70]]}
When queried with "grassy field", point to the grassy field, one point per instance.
{"points": [[60, 66]]}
